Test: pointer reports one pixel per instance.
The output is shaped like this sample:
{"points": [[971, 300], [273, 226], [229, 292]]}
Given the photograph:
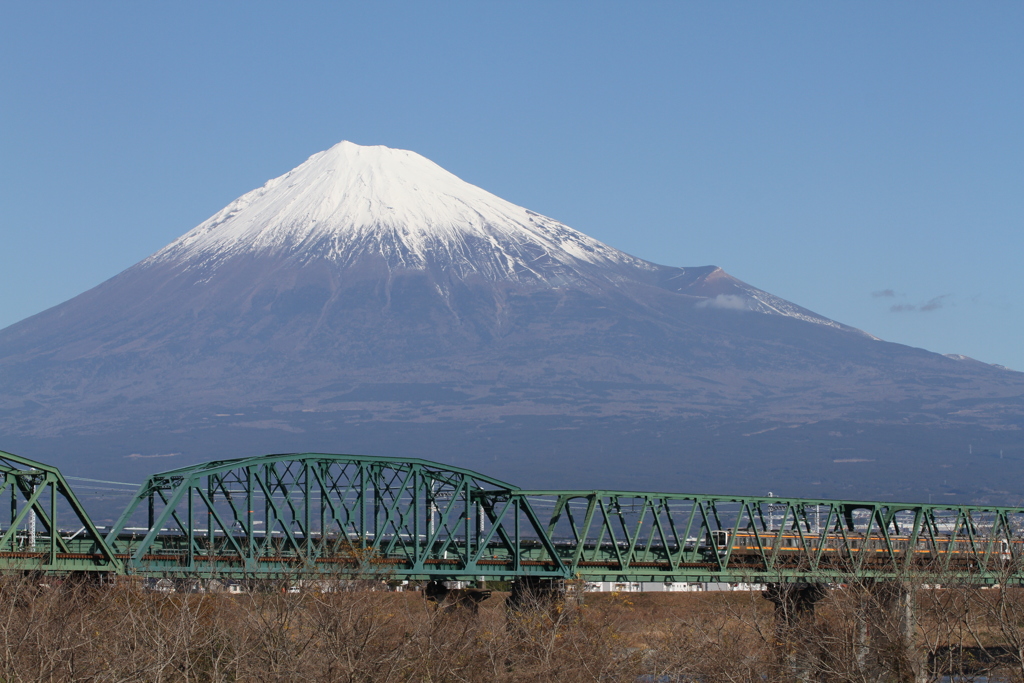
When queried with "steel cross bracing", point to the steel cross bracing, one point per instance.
{"points": [[285, 515], [40, 502], [628, 536]]}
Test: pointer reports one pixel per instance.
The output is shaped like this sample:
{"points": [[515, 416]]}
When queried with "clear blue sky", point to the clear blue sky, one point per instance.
{"points": [[865, 160]]}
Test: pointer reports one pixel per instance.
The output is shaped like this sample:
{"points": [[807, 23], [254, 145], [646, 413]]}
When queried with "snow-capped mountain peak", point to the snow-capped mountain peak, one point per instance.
{"points": [[351, 201], [376, 212]]}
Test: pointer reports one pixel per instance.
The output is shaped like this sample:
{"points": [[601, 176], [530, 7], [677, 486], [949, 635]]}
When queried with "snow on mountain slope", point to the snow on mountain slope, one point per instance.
{"points": [[350, 205], [352, 201]]}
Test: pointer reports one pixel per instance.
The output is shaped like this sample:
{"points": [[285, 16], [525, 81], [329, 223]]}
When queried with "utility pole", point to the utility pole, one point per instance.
{"points": [[480, 580]]}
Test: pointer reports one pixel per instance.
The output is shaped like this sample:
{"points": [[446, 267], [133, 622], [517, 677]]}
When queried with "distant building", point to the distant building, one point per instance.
{"points": [[667, 587]]}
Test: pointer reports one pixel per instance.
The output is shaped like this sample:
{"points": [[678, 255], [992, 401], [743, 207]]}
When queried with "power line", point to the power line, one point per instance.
{"points": [[101, 481]]}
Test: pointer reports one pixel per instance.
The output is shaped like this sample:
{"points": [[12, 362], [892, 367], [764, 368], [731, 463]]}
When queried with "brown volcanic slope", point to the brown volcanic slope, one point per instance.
{"points": [[370, 301]]}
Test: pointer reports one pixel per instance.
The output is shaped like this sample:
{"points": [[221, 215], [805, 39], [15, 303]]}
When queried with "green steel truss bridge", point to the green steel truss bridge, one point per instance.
{"points": [[319, 515], [48, 530]]}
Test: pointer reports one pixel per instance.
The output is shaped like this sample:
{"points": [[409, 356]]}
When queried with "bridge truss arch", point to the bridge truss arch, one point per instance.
{"points": [[299, 514], [33, 540]]}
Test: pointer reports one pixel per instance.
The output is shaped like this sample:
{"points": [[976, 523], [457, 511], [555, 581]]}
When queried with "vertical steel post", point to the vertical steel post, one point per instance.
{"points": [[324, 492], [518, 549], [467, 527], [417, 496], [14, 508], [190, 535], [362, 503], [378, 477], [269, 519], [53, 522], [250, 537], [307, 513]]}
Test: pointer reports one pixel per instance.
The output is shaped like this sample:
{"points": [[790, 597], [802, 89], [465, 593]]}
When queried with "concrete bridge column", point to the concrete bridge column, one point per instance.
{"points": [[794, 614], [889, 619], [528, 592], [450, 599]]}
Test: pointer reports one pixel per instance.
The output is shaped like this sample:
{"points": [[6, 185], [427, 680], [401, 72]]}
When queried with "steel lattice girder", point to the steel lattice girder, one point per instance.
{"points": [[39, 494], [312, 514], [283, 515], [629, 536]]}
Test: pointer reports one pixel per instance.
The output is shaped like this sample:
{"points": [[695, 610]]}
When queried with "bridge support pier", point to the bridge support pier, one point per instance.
{"points": [[529, 592], [450, 599], [886, 632], [885, 641], [794, 612]]}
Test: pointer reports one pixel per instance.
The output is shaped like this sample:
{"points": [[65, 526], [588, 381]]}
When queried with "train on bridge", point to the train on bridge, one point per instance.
{"points": [[314, 515]]}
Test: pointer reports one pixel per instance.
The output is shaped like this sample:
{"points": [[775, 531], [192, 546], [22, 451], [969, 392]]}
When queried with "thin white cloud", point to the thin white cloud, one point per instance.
{"points": [[933, 304], [730, 302]]}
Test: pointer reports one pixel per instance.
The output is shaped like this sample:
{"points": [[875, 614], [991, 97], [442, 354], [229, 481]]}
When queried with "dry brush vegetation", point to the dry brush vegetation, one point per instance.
{"points": [[79, 632]]}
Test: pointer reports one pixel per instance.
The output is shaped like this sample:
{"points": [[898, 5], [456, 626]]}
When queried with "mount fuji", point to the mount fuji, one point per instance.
{"points": [[370, 301]]}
